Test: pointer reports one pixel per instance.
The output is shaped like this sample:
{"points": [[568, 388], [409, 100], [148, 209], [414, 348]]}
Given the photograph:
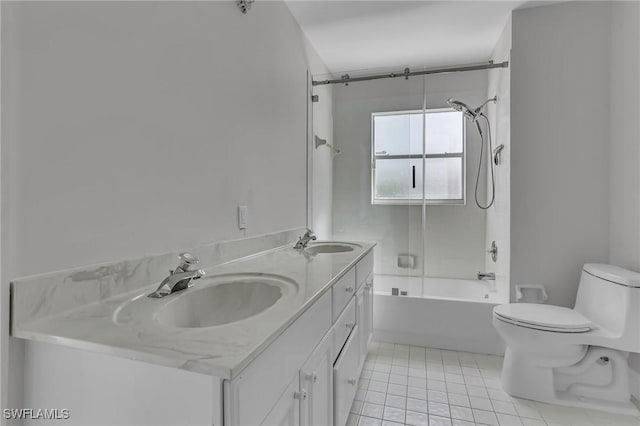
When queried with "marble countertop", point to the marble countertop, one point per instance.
{"points": [[222, 351]]}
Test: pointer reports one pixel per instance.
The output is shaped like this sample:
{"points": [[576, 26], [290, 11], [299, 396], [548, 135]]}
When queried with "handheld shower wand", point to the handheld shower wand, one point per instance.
{"points": [[474, 115]]}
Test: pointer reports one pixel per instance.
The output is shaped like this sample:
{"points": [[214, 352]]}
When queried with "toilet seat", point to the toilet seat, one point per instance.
{"points": [[543, 317]]}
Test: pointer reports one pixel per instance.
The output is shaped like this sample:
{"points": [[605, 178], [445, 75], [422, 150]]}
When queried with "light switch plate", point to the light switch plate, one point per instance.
{"points": [[243, 213]]}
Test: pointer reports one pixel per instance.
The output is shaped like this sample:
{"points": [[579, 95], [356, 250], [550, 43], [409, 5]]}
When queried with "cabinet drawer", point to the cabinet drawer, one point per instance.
{"points": [[341, 292], [364, 268], [343, 326], [345, 379]]}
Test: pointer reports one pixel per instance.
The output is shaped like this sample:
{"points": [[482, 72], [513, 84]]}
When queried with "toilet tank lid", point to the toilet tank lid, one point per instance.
{"points": [[613, 273]]}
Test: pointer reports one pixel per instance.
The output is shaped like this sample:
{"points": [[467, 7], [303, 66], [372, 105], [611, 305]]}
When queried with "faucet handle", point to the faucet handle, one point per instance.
{"points": [[187, 260]]}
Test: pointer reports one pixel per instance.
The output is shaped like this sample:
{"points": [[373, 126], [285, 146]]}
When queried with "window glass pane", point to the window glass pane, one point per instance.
{"points": [[397, 134], [444, 132], [394, 179], [444, 178]]}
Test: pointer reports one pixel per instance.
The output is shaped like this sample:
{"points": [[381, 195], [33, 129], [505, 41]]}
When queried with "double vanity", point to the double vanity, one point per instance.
{"points": [[268, 334]]}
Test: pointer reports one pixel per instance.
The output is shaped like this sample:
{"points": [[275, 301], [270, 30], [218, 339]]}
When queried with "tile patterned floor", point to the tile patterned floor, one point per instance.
{"points": [[411, 385]]}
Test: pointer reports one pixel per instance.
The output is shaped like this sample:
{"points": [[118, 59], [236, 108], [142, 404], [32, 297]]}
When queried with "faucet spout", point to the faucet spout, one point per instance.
{"points": [[304, 240], [179, 279]]}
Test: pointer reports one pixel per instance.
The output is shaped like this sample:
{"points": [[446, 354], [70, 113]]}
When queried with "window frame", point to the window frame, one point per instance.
{"points": [[424, 156]]}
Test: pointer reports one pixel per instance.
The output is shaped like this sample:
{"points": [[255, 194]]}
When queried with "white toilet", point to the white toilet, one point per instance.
{"points": [[575, 357]]}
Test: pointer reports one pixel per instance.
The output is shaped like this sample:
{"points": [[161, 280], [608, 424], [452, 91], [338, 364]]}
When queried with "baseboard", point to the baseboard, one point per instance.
{"points": [[485, 346], [634, 383]]}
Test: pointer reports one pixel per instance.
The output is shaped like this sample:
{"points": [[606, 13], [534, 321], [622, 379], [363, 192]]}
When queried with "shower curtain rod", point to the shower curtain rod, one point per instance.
{"points": [[346, 79]]}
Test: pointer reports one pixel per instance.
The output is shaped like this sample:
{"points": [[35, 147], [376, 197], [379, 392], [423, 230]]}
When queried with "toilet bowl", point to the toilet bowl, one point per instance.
{"points": [[575, 357]]}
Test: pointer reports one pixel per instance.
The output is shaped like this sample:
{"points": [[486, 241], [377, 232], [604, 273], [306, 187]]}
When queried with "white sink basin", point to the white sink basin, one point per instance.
{"points": [[330, 247], [211, 302]]}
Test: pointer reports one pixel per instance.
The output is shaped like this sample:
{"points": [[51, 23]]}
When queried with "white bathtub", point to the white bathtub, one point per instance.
{"points": [[443, 313]]}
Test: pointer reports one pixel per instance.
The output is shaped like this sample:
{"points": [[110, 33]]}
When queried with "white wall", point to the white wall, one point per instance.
{"points": [[455, 235], [137, 128], [624, 239], [499, 114], [559, 144]]}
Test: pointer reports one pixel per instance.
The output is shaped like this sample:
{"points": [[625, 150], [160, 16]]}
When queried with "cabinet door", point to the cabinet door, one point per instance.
{"points": [[286, 412], [345, 379], [368, 306], [362, 321], [316, 379]]}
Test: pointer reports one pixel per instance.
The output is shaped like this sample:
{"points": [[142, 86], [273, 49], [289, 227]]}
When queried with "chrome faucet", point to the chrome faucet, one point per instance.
{"points": [[484, 276], [304, 240], [179, 279]]}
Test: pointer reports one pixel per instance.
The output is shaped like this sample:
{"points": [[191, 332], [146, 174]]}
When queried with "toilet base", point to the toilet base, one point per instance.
{"points": [[597, 379]]}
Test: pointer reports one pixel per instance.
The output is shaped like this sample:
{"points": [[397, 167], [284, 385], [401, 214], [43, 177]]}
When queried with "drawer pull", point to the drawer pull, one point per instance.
{"points": [[313, 377], [349, 325], [300, 395], [349, 289], [352, 382]]}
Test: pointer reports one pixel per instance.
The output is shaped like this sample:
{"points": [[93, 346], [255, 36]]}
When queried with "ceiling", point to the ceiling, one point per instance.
{"points": [[368, 35]]}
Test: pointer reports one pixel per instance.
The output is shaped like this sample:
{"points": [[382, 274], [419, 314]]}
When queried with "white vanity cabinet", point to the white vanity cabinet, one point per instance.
{"points": [[309, 374], [306, 374]]}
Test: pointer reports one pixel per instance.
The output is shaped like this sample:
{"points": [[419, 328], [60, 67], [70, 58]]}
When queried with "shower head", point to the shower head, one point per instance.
{"points": [[470, 114], [463, 108]]}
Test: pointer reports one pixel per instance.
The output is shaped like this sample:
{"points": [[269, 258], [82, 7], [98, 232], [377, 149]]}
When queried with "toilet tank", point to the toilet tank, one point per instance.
{"points": [[610, 297]]}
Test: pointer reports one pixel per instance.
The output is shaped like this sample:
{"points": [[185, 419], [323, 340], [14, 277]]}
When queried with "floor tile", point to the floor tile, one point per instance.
{"points": [[454, 378], [417, 405], [508, 420], [526, 408], [532, 422], [394, 389], [398, 379], [372, 410], [477, 391], [396, 401], [417, 382], [499, 395], [437, 396], [458, 422], [473, 380], [418, 393], [438, 409], [440, 385], [480, 403], [461, 413], [485, 417], [394, 414], [379, 376], [457, 399], [375, 397], [369, 421], [377, 386], [455, 388], [416, 418], [504, 407], [439, 421], [401, 370]]}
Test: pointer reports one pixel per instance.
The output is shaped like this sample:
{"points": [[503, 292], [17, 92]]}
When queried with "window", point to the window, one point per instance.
{"points": [[402, 166]]}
